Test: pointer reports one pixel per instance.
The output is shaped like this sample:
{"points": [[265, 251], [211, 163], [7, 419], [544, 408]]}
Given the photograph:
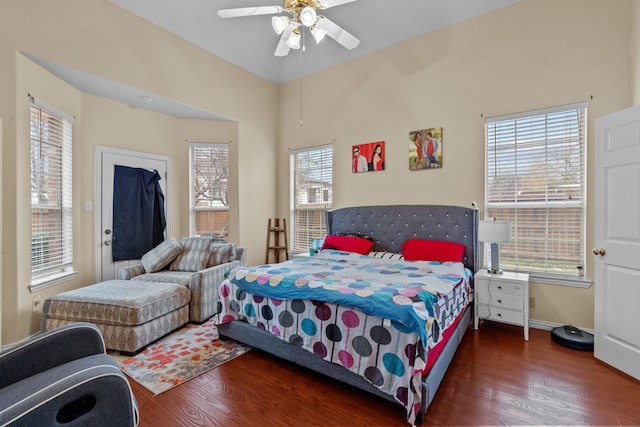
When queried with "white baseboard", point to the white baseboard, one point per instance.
{"points": [[547, 326]]}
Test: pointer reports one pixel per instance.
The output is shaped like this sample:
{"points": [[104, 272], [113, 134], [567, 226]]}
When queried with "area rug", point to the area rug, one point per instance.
{"points": [[181, 356]]}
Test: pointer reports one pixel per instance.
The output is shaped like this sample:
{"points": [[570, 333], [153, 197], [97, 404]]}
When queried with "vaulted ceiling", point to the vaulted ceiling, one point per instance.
{"points": [[250, 42]]}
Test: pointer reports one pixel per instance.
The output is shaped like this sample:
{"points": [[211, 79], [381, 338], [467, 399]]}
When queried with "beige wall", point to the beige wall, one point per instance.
{"points": [[98, 37], [635, 50], [530, 55], [534, 54], [31, 80], [155, 133]]}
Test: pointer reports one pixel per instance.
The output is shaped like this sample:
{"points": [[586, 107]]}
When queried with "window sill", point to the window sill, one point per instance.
{"points": [[51, 280], [576, 282]]}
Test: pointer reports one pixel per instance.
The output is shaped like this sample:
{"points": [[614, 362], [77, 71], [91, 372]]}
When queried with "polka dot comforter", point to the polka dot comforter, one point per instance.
{"points": [[376, 317]]}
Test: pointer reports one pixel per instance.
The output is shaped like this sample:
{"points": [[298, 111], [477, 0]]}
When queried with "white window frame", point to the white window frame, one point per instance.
{"points": [[513, 144], [311, 225], [55, 133], [195, 206]]}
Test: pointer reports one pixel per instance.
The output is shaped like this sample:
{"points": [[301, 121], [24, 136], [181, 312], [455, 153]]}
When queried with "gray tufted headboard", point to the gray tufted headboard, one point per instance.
{"points": [[390, 226]]}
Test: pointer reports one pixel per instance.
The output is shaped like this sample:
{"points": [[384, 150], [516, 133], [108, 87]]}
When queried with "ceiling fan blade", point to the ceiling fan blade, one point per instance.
{"points": [[338, 33], [283, 48], [249, 11], [326, 4]]}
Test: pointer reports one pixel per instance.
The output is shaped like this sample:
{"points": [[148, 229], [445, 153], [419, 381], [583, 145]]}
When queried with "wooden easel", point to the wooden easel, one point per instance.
{"points": [[276, 231]]}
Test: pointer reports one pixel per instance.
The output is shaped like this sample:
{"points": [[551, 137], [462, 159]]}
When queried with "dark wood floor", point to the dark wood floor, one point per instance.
{"points": [[496, 378]]}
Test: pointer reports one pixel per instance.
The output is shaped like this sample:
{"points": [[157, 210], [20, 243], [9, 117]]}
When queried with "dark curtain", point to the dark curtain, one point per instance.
{"points": [[138, 212]]}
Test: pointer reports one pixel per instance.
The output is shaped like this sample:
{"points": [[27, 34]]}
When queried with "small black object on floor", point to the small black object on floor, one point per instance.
{"points": [[572, 337]]}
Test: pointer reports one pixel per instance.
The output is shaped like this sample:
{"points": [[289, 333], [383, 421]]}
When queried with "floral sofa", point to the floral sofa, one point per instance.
{"points": [[200, 263]]}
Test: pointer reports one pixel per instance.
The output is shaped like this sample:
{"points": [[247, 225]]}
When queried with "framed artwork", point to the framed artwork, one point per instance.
{"points": [[425, 149], [367, 157]]}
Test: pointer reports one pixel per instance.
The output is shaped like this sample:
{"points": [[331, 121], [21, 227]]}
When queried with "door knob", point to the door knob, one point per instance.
{"points": [[599, 251]]}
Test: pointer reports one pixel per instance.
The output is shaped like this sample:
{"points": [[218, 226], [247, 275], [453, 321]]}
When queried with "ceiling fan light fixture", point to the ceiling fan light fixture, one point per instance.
{"points": [[318, 33], [294, 39], [279, 23], [290, 21], [308, 16]]}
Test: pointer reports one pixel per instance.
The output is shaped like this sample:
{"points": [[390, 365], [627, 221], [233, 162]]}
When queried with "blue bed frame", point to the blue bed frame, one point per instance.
{"points": [[389, 226]]}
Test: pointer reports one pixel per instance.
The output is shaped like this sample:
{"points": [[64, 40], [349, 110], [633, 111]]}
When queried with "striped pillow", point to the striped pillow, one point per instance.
{"points": [[386, 255]]}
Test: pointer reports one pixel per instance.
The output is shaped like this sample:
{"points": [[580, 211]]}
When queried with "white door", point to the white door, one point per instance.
{"points": [[617, 251], [108, 158]]}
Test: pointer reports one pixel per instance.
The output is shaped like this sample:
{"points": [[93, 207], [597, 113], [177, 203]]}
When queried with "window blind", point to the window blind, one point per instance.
{"points": [[311, 194], [209, 193], [51, 193], [535, 179]]}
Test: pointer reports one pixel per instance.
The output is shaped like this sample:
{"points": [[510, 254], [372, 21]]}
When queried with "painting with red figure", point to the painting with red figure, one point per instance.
{"points": [[367, 157]]}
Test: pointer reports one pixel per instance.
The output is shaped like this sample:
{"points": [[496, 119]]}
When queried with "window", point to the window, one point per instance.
{"points": [[535, 179], [311, 194], [209, 166], [51, 195]]}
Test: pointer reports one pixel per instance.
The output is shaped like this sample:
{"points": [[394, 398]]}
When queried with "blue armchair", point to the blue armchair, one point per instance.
{"points": [[64, 377]]}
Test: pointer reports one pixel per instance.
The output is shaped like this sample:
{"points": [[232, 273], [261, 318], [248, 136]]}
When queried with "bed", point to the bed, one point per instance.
{"points": [[398, 362]]}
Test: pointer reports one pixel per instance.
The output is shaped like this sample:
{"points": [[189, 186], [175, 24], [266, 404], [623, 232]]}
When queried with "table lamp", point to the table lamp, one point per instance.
{"points": [[494, 232]]}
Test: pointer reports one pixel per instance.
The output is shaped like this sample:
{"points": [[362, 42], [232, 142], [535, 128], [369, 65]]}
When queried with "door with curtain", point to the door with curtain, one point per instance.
{"points": [[130, 240], [138, 212]]}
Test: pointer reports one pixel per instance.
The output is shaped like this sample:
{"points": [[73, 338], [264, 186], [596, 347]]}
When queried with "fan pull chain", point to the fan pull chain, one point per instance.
{"points": [[300, 80]]}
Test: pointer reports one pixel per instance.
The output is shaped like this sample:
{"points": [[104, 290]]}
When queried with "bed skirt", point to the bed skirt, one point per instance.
{"points": [[265, 341]]}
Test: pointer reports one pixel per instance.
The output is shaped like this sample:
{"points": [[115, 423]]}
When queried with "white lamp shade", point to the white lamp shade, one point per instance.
{"points": [[308, 16], [318, 33], [294, 40], [494, 231], [279, 23]]}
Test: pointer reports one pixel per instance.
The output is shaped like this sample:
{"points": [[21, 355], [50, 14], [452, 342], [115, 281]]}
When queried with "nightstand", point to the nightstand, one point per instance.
{"points": [[502, 298]]}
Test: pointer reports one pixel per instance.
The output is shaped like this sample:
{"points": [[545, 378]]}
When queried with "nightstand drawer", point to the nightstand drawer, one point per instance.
{"points": [[495, 299], [500, 286], [501, 315]]}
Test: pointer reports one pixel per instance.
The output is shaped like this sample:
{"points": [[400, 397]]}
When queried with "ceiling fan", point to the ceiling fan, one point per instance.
{"points": [[297, 15]]}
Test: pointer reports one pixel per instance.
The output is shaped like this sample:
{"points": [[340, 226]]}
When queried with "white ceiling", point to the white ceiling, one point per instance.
{"points": [[249, 42]]}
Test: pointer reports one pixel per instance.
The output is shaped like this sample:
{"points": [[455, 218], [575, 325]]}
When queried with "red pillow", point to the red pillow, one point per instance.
{"points": [[432, 250], [348, 244]]}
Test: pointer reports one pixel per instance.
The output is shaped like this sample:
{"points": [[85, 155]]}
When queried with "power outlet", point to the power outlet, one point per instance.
{"points": [[36, 303], [532, 302]]}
